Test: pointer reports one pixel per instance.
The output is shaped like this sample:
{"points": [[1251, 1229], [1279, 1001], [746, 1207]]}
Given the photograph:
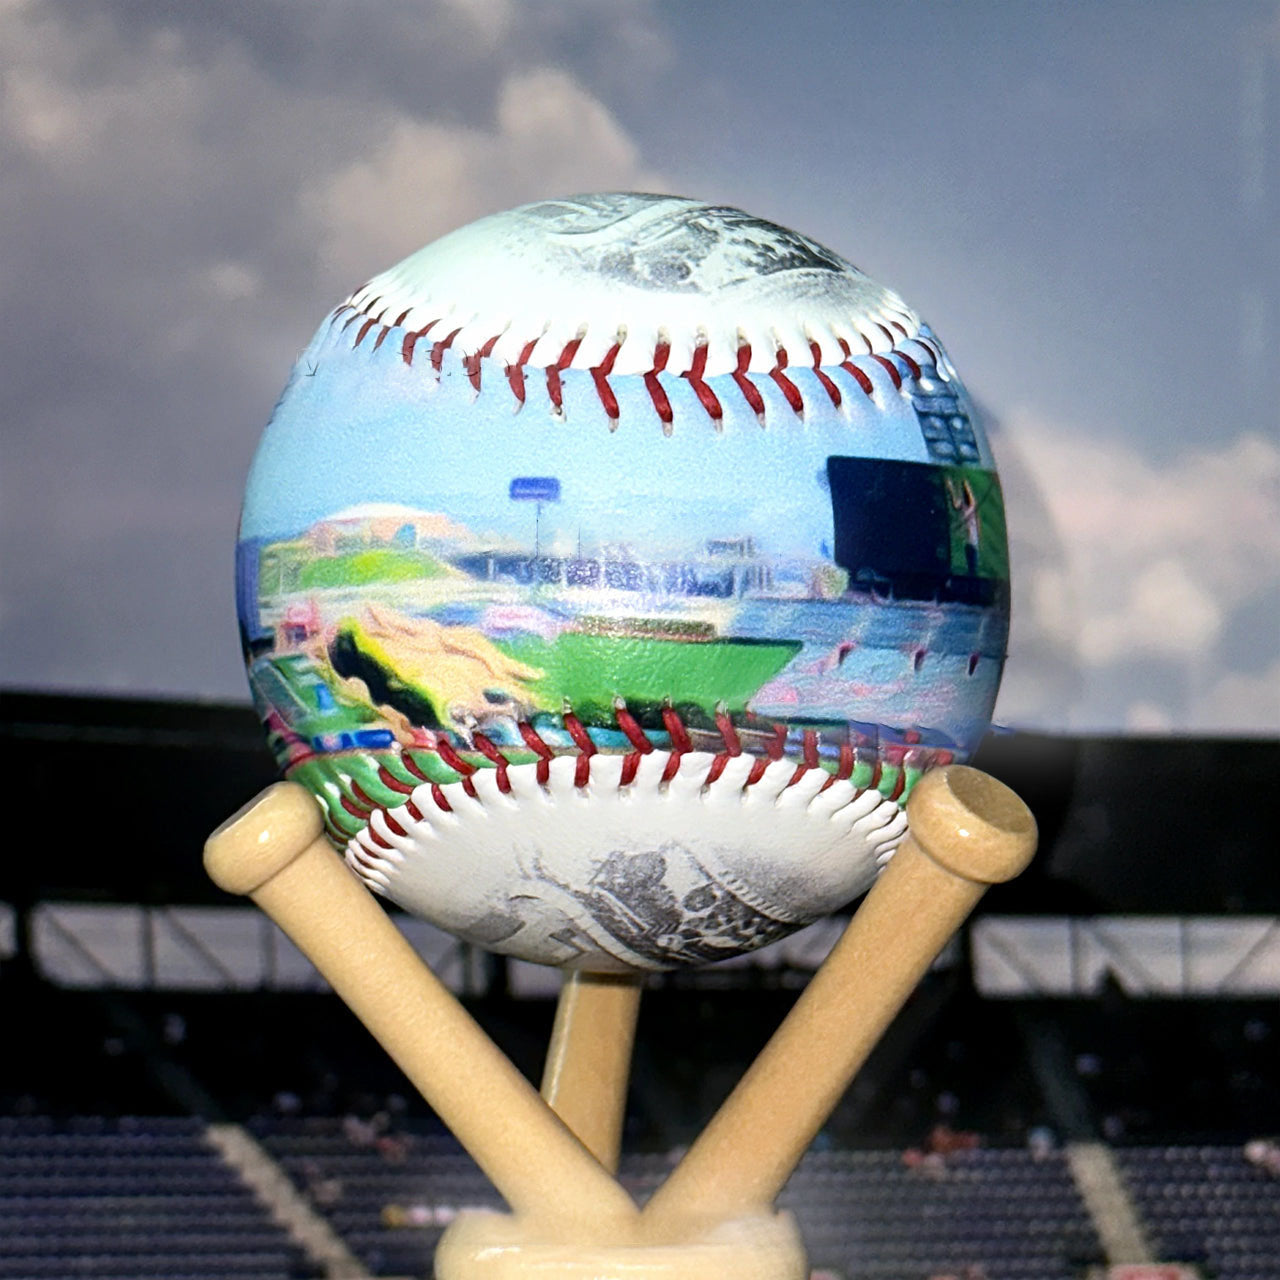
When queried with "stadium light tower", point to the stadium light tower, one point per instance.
{"points": [[535, 489]]}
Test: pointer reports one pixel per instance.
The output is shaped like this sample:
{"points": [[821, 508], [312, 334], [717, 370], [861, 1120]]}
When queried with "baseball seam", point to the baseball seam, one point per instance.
{"points": [[418, 786], [874, 822], [859, 370]]}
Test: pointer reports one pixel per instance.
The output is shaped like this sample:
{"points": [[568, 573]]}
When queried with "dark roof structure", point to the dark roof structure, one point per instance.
{"points": [[1150, 825]]}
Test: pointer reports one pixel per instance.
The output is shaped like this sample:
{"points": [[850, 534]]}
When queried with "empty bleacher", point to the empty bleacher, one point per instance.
{"points": [[865, 1214], [862, 1213], [1208, 1206], [151, 1198], [129, 1197]]}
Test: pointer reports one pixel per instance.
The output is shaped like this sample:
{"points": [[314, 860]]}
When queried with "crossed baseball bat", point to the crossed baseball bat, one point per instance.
{"points": [[552, 1155]]}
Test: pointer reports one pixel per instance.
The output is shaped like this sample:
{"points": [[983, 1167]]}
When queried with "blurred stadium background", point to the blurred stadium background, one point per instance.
{"points": [[1088, 1078]]}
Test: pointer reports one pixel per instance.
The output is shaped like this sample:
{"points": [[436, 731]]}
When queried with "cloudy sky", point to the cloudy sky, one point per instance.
{"points": [[1081, 199]]}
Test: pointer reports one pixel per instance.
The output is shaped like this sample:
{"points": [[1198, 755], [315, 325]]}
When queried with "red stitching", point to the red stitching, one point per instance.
{"points": [[364, 328], [363, 808], [439, 348], [729, 735], [630, 763], [676, 731], [750, 392], [788, 388], [935, 357], [827, 385], [578, 732], [895, 333], [554, 389], [631, 727], [661, 354], [853, 371], [810, 758], [706, 397], [534, 740], [544, 752], [515, 372], [354, 809], [471, 363], [412, 765], [361, 796], [600, 376], [909, 362], [454, 760], [891, 369], [356, 313], [411, 341], [490, 752], [365, 857]]}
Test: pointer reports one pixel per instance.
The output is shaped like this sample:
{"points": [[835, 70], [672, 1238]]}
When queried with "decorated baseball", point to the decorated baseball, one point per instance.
{"points": [[610, 570]]}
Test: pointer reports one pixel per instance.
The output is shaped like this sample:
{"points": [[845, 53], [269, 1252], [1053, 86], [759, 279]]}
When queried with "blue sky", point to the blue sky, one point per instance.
{"points": [[1080, 199]]}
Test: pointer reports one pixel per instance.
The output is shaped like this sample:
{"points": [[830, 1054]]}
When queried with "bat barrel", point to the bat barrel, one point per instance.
{"points": [[967, 831], [275, 851]]}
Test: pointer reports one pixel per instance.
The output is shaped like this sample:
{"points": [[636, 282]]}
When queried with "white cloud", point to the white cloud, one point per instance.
{"points": [[1164, 611], [490, 21], [232, 281], [549, 137], [1158, 561], [1147, 717], [1239, 704], [1160, 552]]}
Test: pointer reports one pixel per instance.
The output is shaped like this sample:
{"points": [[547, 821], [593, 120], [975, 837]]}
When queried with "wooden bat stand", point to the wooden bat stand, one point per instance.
{"points": [[553, 1155]]}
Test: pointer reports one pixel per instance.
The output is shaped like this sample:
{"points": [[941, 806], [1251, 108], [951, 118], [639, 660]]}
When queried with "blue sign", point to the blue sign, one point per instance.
{"points": [[535, 489]]}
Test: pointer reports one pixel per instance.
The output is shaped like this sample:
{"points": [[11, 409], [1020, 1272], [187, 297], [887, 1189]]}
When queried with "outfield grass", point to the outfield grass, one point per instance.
{"points": [[381, 564], [590, 671]]}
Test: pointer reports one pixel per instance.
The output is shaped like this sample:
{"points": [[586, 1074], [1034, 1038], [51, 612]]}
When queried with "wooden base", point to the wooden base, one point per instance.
{"points": [[495, 1246], [551, 1157]]}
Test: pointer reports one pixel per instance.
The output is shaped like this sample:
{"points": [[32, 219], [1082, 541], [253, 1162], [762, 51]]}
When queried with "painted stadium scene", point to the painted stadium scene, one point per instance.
{"points": [[383, 626]]}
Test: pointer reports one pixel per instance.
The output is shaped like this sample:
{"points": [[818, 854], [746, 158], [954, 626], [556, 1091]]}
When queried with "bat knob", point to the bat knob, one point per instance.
{"points": [[971, 824], [260, 840]]}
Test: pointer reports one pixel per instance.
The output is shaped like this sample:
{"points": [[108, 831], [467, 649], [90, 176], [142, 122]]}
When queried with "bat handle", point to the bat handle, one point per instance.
{"points": [[275, 851], [967, 831], [589, 1058]]}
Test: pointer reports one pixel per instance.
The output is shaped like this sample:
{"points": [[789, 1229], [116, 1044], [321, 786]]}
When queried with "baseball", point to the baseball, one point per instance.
{"points": [[610, 570]]}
